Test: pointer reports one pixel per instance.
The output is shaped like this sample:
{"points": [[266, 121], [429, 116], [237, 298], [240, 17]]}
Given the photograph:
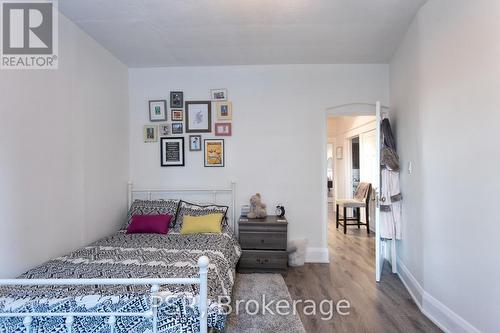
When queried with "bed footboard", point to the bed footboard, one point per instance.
{"points": [[152, 313]]}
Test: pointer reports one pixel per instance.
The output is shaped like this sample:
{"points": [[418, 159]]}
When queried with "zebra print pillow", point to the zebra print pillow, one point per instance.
{"points": [[153, 207], [190, 209]]}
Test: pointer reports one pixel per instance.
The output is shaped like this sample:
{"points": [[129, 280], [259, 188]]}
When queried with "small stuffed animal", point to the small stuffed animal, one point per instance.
{"points": [[257, 208]]}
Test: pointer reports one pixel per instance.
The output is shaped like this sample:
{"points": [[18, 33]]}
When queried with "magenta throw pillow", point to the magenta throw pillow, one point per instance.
{"points": [[149, 224]]}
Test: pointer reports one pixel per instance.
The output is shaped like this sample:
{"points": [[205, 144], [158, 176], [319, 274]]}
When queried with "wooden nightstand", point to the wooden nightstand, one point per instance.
{"points": [[263, 243]]}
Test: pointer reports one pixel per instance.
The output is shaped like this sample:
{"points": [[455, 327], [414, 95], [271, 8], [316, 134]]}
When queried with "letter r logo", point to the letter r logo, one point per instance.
{"points": [[27, 28]]}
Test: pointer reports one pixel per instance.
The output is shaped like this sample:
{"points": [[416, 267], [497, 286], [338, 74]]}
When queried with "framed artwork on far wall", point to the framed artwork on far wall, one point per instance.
{"points": [[150, 133], [214, 152], [218, 94], [195, 142], [224, 110], [176, 99], [223, 129], [177, 128], [177, 115], [198, 117], [172, 151], [158, 110], [339, 152], [164, 129]]}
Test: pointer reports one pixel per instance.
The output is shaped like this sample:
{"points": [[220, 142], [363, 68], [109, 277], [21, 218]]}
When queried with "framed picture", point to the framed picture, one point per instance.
{"points": [[223, 129], [150, 133], [214, 152], [198, 117], [195, 142], [177, 115], [224, 110], [177, 128], [218, 94], [172, 151], [176, 99], [158, 110], [339, 152], [164, 129]]}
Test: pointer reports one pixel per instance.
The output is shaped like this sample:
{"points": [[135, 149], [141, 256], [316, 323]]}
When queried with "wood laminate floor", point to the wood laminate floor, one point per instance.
{"points": [[375, 307]]}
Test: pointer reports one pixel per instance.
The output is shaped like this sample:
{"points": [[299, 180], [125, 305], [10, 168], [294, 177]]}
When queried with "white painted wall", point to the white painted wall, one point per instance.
{"points": [[278, 146], [445, 83], [63, 153]]}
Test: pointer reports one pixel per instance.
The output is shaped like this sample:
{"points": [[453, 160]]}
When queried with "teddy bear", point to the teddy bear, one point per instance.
{"points": [[257, 208]]}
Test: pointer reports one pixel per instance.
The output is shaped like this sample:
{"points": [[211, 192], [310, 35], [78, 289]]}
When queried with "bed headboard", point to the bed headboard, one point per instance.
{"points": [[219, 196]]}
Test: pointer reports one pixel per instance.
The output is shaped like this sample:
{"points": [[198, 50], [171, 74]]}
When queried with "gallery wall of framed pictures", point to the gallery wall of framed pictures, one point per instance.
{"points": [[194, 118]]}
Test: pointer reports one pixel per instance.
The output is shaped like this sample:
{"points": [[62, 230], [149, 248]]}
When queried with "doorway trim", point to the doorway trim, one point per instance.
{"points": [[348, 109]]}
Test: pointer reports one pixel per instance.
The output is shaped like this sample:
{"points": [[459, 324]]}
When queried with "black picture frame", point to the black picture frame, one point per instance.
{"points": [[164, 155], [177, 128], [176, 99], [206, 107], [223, 154]]}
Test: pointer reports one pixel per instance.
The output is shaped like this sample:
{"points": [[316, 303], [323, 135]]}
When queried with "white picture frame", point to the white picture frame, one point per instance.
{"points": [[218, 94], [339, 153], [164, 129]]}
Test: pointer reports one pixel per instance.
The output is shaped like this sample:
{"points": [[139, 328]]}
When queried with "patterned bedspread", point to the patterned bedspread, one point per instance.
{"points": [[129, 256]]}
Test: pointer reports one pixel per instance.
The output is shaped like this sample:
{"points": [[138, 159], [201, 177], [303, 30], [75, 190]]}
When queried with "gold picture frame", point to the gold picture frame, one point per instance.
{"points": [[150, 133], [224, 110]]}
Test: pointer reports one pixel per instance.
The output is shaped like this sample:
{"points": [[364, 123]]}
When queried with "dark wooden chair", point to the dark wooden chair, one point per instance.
{"points": [[361, 200]]}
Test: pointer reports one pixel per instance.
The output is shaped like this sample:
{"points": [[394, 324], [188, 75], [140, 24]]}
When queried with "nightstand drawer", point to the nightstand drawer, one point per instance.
{"points": [[262, 227], [263, 261], [263, 240]]}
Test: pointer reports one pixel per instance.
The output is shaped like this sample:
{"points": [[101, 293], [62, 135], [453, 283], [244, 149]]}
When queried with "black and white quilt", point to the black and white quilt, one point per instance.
{"points": [[129, 256]]}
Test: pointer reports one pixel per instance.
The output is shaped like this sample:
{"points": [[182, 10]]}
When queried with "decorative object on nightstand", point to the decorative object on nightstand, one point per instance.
{"points": [[257, 207], [280, 210], [263, 243], [245, 209]]}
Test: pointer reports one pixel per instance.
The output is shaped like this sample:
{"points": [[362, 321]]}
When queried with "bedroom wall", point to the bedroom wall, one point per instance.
{"points": [[445, 80], [64, 152], [278, 146]]}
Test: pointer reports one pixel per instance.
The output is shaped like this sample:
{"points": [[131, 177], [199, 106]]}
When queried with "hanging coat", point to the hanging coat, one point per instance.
{"points": [[390, 205]]}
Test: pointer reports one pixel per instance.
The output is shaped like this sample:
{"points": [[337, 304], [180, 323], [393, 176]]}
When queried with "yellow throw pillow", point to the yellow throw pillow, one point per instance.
{"points": [[201, 224]]}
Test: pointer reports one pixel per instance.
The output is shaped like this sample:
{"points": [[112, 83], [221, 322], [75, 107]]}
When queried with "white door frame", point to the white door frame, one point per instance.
{"points": [[350, 109]]}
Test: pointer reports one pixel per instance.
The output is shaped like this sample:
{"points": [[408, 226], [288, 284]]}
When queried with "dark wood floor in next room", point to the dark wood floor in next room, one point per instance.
{"points": [[375, 307]]}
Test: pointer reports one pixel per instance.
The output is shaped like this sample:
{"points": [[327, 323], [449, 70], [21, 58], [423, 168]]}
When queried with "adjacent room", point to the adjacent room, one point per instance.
{"points": [[249, 166]]}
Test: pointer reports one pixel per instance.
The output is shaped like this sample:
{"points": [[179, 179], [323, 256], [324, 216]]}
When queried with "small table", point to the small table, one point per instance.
{"points": [[263, 243]]}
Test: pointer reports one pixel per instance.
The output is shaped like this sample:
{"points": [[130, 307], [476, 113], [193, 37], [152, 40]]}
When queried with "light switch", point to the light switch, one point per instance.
{"points": [[410, 167]]}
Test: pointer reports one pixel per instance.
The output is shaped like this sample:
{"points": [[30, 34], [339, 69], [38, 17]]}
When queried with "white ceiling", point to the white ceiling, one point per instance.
{"points": [[151, 33]]}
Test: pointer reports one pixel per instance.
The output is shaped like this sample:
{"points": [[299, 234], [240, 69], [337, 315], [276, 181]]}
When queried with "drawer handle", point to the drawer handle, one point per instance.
{"points": [[262, 261], [262, 241]]}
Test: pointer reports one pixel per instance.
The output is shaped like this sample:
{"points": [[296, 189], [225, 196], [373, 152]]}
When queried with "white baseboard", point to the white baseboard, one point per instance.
{"points": [[317, 255], [437, 312]]}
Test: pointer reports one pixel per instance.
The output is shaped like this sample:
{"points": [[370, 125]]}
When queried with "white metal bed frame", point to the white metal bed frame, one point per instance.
{"points": [[155, 284], [176, 193]]}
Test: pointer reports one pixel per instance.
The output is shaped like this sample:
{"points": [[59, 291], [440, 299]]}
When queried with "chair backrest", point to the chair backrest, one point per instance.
{"points": [[363, 192]]}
